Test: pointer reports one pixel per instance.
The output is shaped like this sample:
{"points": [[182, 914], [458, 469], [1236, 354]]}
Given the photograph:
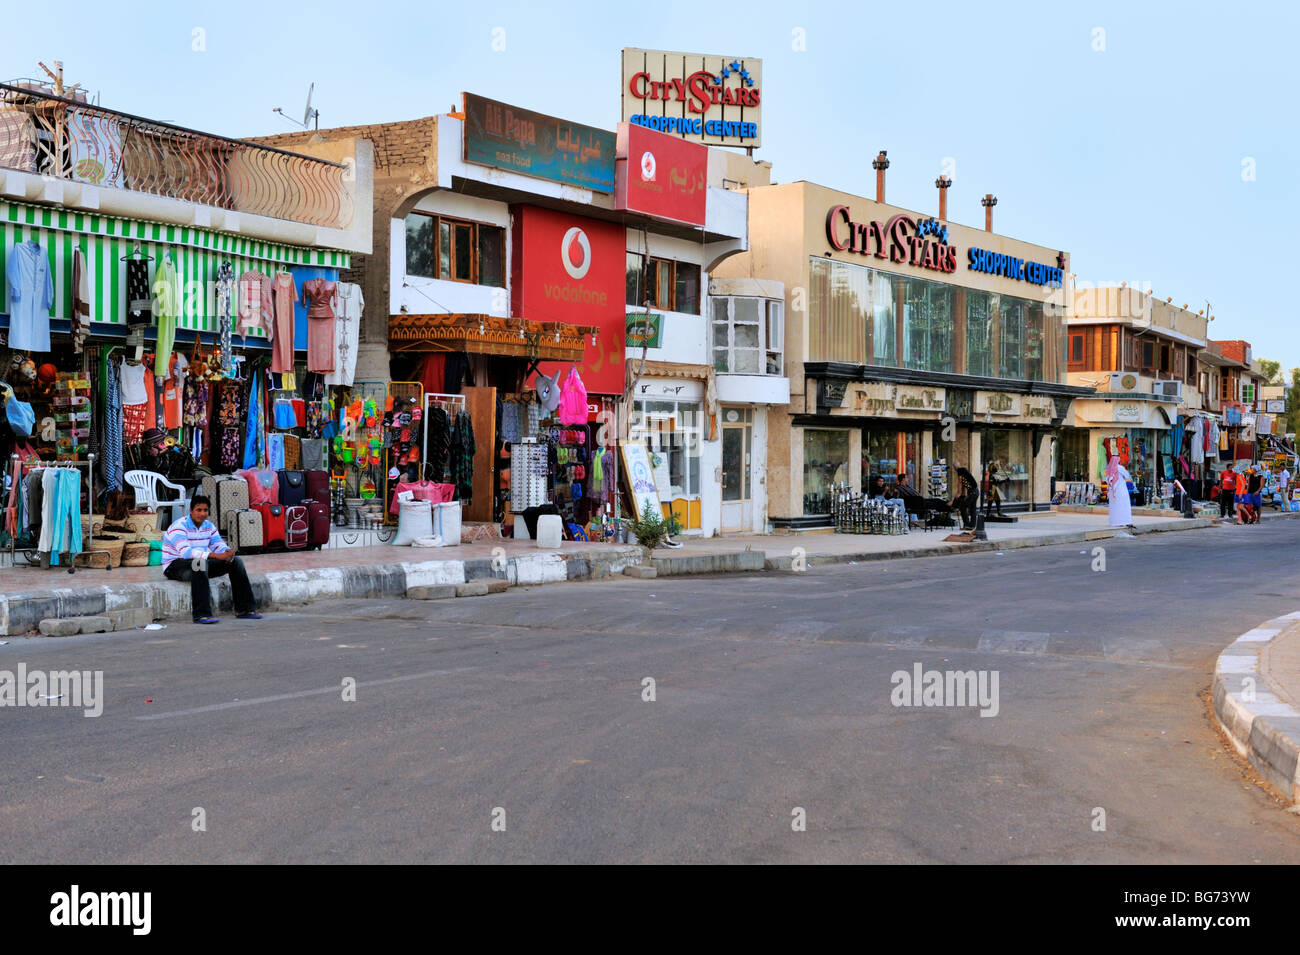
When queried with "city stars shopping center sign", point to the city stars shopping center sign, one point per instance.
{"points": [[902, 239], [713, 100]]}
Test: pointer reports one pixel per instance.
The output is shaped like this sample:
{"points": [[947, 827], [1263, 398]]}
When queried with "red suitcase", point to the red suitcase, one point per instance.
{"points": [[272, 524], [318, 486], [318, 524], [295, 527]]}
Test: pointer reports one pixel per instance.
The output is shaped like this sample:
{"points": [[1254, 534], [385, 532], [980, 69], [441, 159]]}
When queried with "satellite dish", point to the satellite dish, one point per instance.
{"points": [[308, 113]]}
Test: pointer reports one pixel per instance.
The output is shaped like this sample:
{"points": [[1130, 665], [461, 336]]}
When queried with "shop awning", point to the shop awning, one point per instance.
{"points": [[488, 335], [671, 369]]}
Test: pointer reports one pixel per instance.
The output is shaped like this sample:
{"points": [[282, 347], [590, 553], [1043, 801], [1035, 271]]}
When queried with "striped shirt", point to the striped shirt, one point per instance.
{"points": [[185, 541]]}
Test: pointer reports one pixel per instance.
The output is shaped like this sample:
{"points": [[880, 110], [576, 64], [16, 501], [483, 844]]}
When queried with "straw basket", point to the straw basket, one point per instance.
{"points": [[114, 546], [135, 554]]}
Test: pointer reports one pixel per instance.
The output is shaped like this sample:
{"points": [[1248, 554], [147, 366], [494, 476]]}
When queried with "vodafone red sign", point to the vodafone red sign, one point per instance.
{"points": [[568, 269], [661, 175]]}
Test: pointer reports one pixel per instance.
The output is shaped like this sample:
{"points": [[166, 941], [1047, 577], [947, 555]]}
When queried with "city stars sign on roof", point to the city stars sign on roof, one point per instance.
{"points": [[713, 100]]}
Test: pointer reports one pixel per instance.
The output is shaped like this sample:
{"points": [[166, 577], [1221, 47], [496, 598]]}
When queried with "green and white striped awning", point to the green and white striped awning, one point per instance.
{"points": [[104, 240]]}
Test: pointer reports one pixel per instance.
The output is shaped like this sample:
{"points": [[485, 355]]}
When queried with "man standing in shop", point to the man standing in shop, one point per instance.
{"points": [[1227, 492], [193, 551]]}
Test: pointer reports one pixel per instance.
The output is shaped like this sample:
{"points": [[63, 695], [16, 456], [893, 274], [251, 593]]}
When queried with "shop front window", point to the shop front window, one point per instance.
{"points": [[1141, 455], [1034, 355], [881, 456], [1011, 329], [1008, 452], [670, 431], [979, 333], [851, 311], [1072, 455], [825, 467], [927, 325]]}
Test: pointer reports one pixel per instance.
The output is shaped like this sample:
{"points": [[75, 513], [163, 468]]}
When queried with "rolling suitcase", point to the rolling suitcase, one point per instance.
{"points": [[295, 527], [227, 493], [243, 529], [318, 486], [272, 524], [293, 487], [318, 524], [263, 486]]}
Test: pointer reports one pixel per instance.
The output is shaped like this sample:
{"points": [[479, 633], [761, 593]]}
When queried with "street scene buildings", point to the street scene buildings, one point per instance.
{"points": [[344, 374]]}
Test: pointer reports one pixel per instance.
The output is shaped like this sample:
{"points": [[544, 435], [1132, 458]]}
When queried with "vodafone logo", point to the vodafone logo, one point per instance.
{"points": [[647, 166], [575, 253]]}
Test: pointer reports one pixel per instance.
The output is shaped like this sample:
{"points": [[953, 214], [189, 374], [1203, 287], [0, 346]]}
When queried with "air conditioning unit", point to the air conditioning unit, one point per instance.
{"points": [[1169, 389], [1123, 381]]}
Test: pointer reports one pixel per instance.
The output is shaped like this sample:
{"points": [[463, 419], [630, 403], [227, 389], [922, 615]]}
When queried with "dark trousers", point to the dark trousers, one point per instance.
{"points": [[1227, 508], [992, 501], [201, 596], [967, 507]]}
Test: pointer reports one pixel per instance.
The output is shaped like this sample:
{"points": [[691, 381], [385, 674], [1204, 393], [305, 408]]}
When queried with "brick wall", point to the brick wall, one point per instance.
{"points": [[1236, 350]]}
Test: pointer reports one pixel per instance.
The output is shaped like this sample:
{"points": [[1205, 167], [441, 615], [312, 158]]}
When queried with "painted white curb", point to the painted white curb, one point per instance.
{"points": [[1262, 727]]}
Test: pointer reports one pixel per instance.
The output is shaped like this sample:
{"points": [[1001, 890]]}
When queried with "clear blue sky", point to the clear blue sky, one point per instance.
{"points": [[1131, 157]]}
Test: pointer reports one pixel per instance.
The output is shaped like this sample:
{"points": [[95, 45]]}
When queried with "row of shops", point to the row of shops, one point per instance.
{"points": [[631, 320]]}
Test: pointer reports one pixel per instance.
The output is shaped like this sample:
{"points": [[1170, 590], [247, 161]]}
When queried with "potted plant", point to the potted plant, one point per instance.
{"points": [[651, 528]]}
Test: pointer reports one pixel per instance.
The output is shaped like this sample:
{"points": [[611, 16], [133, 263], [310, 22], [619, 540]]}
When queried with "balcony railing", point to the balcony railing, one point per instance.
{"points": [[53, 136]]}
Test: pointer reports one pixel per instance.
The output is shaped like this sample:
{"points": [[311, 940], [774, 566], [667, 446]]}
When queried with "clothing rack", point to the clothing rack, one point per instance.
{"points": [[448, 403], [33, 555]]}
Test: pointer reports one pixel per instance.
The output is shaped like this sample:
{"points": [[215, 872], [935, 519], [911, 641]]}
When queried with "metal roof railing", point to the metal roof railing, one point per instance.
{"points": [[53, 136]]}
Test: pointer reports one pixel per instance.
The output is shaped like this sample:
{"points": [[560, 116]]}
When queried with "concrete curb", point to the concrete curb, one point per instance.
{"points": [[22, 612], [1263, 728]]}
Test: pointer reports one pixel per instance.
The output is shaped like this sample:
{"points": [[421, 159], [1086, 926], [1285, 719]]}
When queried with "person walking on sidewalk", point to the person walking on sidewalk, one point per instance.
{"points": [[193, 551], [1227, 492], [989, 491]]}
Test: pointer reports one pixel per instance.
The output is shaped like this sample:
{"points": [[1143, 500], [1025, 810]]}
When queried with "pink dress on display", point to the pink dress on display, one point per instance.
{"points": [[286, 296], [319, 297]]}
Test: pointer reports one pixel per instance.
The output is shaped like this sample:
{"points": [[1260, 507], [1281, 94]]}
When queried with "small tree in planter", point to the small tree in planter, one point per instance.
{"points": [[651, 529]]}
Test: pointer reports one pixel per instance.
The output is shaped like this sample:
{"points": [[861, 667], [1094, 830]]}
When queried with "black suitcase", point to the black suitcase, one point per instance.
{"points": [[293, 488]]}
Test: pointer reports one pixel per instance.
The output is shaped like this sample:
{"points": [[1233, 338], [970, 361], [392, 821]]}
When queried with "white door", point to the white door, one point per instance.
{"points": [[737, 470]]}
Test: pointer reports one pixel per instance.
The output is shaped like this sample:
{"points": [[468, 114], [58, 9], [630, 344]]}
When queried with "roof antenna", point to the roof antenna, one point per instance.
{"points": [[308, 114]]}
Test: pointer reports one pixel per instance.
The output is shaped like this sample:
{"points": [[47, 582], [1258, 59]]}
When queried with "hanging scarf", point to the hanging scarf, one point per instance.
{"points": [[253, 442]]}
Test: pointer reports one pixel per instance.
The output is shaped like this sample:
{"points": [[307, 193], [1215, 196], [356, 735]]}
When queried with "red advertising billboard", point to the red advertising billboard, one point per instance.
{"points": [[660, 175], [569, 269]]}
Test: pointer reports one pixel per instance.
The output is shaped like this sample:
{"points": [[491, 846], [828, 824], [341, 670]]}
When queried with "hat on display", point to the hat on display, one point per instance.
{"points": [[548, 391]]}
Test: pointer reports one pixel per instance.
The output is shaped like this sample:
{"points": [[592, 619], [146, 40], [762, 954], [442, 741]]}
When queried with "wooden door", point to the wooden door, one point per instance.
{"points": [[481, 403]]}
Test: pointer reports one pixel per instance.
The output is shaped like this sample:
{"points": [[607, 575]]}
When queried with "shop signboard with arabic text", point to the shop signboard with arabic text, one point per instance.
{"points": [[537, 145], [661, 175]]}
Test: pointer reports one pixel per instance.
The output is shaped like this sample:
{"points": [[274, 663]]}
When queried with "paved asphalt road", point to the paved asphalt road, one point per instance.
{"points": [[772, 692]]}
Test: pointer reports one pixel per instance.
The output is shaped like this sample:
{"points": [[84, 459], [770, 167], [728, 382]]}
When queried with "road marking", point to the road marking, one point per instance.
{"points": [[299, 694]]}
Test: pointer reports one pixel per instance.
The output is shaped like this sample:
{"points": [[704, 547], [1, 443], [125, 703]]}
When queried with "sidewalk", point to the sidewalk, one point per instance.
{"points": [[131, 596], [1257, 700], [780, 551]]}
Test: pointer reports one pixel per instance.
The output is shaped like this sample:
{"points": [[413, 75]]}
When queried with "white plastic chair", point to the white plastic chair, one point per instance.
{"points": [[145, 484]]}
